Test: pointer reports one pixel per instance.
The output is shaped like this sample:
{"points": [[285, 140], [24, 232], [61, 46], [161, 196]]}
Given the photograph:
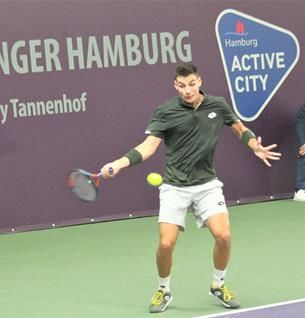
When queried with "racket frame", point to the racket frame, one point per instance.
{"points": [[93, 180]]}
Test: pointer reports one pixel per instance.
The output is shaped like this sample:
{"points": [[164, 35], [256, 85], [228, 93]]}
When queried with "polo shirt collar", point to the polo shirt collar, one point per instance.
{"points": [[182, 103]]}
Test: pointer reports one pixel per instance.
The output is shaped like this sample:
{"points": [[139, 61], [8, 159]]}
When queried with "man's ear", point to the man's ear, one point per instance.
{"points": [[175, 84], [200, 80]]}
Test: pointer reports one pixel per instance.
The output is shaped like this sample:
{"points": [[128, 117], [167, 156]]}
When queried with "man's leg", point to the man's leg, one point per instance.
{"points": [[168, 237], [164, 259], [219, 225]]}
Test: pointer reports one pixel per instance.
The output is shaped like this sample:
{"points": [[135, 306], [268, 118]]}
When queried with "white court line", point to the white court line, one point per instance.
{"points": [[229, 312]]}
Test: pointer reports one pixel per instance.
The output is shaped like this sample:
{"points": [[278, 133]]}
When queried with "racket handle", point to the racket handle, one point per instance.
{"points": [[110, 171]]}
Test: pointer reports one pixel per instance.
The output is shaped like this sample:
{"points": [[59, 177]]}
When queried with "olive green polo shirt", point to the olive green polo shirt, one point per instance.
{"points": [[190, 137]]}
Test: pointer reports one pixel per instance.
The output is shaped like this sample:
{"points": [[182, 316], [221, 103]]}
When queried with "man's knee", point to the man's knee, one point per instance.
{"points": [[166, 246], [223, 238]]}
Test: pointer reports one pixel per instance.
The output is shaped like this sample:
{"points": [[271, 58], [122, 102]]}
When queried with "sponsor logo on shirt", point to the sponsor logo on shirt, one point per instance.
{"points": [[212, 115]]}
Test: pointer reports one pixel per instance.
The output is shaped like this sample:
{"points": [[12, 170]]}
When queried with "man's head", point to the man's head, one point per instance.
{"points": [[186, 69], [187, 83]]}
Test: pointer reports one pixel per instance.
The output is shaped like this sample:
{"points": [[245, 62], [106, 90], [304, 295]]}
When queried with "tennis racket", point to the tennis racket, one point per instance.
{"points": [[85, 184]]}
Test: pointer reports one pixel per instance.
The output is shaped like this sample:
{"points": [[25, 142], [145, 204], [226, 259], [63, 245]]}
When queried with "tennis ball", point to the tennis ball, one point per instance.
{"points": [[154, 179]]}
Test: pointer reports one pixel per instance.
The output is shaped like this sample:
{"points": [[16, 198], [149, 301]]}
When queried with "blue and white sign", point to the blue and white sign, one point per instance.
{"points": [[257, 57]]}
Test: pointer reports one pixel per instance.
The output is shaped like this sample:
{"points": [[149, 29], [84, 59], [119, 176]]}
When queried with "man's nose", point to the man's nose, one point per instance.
{"points": [[187, 90]]}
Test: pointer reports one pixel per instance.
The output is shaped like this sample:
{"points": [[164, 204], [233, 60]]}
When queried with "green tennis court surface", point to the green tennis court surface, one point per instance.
{"points": [[108, 269]]}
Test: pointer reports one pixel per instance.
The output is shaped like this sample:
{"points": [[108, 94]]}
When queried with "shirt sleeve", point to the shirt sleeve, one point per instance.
{"points": [[157, 125], [230, 117]]}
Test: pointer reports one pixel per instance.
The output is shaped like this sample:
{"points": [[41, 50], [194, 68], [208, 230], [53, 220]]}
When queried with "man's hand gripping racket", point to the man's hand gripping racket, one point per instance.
{"points": [[85, 184]]}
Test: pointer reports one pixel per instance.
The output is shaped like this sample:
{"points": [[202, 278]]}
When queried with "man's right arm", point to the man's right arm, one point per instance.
{"points": [[141, 153]]}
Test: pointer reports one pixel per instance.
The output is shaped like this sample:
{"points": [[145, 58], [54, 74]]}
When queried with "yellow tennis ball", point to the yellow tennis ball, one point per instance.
{"points": [[154, 179]]}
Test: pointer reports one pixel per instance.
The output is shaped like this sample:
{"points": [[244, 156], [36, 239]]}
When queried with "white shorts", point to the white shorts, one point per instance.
{"points": [[203, 200]]}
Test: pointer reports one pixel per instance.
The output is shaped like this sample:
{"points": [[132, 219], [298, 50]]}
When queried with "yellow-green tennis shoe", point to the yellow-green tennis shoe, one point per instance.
{"points": [[226, 297], [160, 301]]}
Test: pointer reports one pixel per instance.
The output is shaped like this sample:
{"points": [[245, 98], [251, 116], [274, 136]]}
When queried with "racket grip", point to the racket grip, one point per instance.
{"points": [[110, 171]]}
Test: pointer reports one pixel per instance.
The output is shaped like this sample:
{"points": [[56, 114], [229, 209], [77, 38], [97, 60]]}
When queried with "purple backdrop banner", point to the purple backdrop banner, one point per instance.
{"points": [[79, 82]]}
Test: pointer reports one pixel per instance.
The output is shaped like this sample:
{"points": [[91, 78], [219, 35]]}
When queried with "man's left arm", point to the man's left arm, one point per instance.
{"points": [[255, 143]]}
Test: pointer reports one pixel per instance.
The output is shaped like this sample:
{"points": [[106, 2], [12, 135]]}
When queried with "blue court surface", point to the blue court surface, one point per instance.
{"points": [[289, 309]]}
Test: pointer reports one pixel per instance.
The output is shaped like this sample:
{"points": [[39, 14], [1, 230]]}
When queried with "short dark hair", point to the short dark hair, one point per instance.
{"points": [[186, 69]]}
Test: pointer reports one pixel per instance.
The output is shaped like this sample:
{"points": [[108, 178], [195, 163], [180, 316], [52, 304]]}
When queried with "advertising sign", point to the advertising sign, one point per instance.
{"points": [[257, 57]]}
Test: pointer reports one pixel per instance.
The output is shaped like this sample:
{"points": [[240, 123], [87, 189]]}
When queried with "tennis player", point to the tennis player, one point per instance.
{"points": [[299, 194], [189, 125]]}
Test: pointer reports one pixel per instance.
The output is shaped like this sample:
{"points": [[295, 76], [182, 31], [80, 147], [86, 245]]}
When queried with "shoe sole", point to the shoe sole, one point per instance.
{"points": [[225, 304], [169, 301], [163, 309]]}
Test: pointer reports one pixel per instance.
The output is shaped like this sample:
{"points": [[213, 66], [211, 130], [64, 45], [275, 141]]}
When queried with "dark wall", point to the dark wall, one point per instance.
{"points": [[121, 92]]}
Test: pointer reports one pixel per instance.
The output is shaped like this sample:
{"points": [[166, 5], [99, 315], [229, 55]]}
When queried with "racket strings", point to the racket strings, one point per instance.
{"points": [[83, 186]]}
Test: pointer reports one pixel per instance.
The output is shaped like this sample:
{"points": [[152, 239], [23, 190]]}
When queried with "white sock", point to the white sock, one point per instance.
{"points": [[218, 277], [164, 283]]}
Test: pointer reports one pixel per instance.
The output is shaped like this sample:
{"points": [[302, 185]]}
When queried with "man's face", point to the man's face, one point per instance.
{"points": [[188, 88]]}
